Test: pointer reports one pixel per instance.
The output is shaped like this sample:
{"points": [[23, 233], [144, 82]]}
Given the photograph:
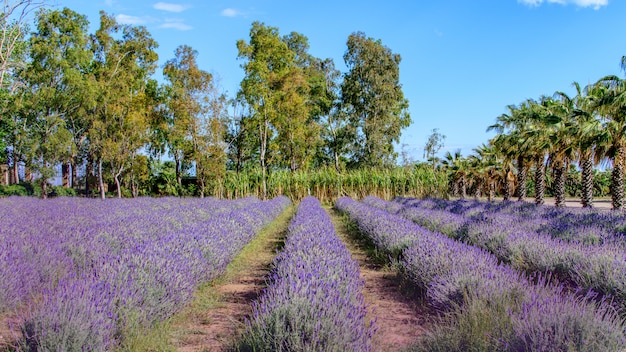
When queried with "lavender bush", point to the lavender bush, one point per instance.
{"points": [[87, 269], [493, 306], [314, 300], [509, 231]]}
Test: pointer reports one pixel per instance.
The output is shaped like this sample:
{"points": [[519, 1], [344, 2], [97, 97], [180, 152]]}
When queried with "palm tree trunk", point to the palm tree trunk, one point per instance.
{"points": [[559, 183], [463, 187], [506, 192], [617, 179], [521, 180], [586, 197], [540, 180]]}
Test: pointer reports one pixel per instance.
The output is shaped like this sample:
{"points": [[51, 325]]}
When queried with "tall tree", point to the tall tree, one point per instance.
{"points": [[13, 23], [54, 77], [433, 145], [124, 60], [610, 99], [186, 91], [372, 94]]}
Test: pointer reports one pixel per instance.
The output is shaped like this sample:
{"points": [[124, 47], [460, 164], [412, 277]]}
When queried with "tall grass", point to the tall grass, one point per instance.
{"points": [[327, 184]]}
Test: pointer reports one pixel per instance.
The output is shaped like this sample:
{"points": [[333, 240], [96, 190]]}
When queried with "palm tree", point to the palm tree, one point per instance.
{"points": [[535, 139], [512, 127], [506, 150], [610, 99], [561, 141], [587, 129], [457, 168], [486, 160]]}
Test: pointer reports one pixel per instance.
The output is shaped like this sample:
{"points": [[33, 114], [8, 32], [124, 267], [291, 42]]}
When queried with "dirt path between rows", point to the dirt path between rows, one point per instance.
{"points": [[400, 316], [219, 310]]}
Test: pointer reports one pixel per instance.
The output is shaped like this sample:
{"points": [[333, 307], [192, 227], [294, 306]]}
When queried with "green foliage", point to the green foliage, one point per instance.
{"points": [[373, 98], [326, 184]]}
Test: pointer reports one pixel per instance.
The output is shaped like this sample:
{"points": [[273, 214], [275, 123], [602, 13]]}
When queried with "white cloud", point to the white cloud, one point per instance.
{"points": [[133, 20], [596, 4], [164, 6], [230, 12], [175, 23]]}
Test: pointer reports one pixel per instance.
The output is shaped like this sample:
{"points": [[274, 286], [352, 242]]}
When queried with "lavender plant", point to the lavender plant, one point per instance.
{"points": [[84, 270], [314, 300], [494, 306]]}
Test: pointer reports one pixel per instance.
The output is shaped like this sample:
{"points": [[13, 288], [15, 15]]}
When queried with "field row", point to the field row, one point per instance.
{"points": [[84, 272], [493, 305], [522, 240]]}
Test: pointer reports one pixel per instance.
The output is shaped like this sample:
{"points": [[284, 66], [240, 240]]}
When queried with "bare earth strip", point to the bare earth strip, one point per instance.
{"points": [[399, 316], [219, 309]]}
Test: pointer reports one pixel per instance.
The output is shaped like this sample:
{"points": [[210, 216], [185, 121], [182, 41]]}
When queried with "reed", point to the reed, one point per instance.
{"points": [[327, 185]]}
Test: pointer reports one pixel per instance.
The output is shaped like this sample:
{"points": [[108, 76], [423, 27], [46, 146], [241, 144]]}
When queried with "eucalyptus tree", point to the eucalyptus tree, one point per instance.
{"points": [[336, 129], [124, 59], [372, 95], [609, 97], [55, 94], [186, 91], [280, 89], [267, 60], [13, 24]]}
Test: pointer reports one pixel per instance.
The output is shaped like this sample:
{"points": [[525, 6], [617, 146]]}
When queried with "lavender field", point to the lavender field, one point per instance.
{"points": [[314, 300], [489, 302], [78, 273]]}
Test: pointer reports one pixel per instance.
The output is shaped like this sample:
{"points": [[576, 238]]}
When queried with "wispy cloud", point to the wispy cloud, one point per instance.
{"points": [[230, 12], [132, 20], [175, 23], [164, 6], [596, 4]]}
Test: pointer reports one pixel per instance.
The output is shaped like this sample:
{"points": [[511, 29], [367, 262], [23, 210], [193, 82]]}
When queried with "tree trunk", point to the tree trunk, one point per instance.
{"points": [[116, 177], [506, 193], [73, 165], [521, 180], [177, 166], [463, 187], [88, 174], [15, 176], [617, 179], [559, 183], [478, 188], [100, 179], [540, 181], [263, 132], [28, 176], [65, 175], [44, 188], [586, 197]]}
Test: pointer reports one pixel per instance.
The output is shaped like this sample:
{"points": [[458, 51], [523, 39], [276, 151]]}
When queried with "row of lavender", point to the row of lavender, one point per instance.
{"points": [[494, 306], [580, 225], [514, 240], [84, 271], [314, 300]]}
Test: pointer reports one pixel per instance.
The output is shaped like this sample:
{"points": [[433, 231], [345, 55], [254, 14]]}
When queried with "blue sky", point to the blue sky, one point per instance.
{"points": [[463, 61]]}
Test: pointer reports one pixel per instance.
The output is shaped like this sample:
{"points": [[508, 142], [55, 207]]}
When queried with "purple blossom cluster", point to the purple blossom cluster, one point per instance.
{"points": [[509, 231], [526, 315], [313, 301], [84, 270]]}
